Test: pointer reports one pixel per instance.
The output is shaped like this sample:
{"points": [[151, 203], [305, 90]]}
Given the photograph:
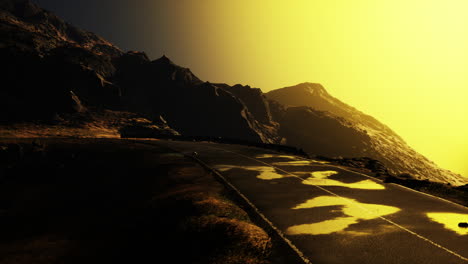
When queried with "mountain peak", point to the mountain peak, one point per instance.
{"points": [[312, 88], [164, 60]]}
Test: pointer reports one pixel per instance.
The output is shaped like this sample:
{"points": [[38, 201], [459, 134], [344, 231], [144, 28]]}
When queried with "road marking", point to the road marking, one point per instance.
{"points": [[334, 194], [280, 234], [375, 179], [293, 247]]}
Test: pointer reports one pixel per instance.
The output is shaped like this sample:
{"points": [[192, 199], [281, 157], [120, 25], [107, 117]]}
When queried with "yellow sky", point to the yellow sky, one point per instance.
{"points": [[403, 62]]}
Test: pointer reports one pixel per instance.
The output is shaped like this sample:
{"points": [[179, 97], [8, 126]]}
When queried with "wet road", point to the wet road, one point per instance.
{"points": [[333, 215]]}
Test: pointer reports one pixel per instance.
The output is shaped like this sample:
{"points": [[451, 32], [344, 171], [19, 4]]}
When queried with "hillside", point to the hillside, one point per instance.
{"points": [[56, 73], [342, 130]]}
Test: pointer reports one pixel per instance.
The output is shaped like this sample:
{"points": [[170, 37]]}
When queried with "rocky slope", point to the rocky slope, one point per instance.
{"points": [[50, 66], [69, 70], [52, 70], [191, 106], [29, 27], [326, 126]]}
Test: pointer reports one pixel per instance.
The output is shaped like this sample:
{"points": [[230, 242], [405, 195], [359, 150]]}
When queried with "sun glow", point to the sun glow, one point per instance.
{"points": [[403, 62]]}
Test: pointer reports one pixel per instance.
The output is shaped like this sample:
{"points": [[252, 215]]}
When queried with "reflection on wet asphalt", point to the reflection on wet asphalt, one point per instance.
{"points": [[450, 221], [354, 211], [321, 178], [275, 156], [294, 161], [266, 173], [352, 219]]}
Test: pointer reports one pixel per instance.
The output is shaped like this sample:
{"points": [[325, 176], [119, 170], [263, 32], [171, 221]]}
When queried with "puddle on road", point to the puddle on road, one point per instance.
{"points": [[269, 156], [322, 228], [450, 221], [294, 160], [292, 163], [354, 211], [321, 178], [300, 162], [323, 174], [266, 173]]}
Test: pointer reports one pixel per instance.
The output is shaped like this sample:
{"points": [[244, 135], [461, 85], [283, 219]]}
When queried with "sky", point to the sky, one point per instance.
{"points": [[403, 62]]}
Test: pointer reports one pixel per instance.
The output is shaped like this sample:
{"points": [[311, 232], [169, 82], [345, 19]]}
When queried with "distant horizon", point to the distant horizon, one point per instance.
{"points": [[405, 64]]}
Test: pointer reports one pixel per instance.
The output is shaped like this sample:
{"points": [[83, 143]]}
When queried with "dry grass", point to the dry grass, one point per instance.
{"points": [[97, 124], [213, 228], [113, 201], [39, 250]]}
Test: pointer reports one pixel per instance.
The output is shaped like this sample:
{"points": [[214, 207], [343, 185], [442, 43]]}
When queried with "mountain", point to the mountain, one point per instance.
{"points": [[50, 66], [31, 28], [315, 96], [69, 71], [54, 71], [189, 105], [323, 125]]}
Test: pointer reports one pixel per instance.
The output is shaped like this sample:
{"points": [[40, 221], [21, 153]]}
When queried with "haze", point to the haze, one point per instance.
{"points": [[403, 62]]}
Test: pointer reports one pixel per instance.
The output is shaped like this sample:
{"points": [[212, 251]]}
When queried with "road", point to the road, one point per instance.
{"points": [[333, 215]]}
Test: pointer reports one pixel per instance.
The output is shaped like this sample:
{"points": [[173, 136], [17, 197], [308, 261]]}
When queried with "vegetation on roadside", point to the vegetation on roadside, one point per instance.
{"points": [[96, 124], [113, 201]]}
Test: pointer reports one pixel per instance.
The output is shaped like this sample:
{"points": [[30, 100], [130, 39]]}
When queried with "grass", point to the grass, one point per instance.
{"points": [[96, 124]]}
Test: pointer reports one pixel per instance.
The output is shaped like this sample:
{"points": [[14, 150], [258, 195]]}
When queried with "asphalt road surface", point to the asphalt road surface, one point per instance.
{"points": [[333, 215]]}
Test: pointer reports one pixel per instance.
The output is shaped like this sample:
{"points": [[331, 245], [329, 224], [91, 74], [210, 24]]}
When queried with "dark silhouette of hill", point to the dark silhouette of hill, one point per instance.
{"points": [[322, 132], [50, 66], [69, 70], [192, 107], [315, 96], [342, 130], [52, 69]]}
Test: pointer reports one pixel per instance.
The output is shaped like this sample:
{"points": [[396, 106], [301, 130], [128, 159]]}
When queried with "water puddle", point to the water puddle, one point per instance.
{"points": [[266, 172], [321, 178], [354, 211], [322, 228], [269, 156], [294, 162], [450, 221]]}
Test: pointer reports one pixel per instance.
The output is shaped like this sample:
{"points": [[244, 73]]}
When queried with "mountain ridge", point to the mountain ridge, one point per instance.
{"points": [[70, 71], [377, 140]]}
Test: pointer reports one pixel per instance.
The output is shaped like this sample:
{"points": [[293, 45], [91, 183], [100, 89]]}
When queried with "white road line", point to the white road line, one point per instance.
{"points": [[373, 178], [293, 247], [334, 194]]}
